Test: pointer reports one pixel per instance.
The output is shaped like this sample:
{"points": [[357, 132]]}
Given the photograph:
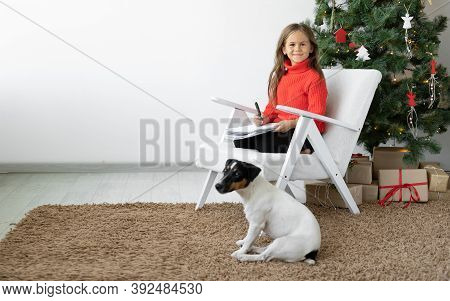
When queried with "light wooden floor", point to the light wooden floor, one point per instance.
{"points": [[21, 192]]}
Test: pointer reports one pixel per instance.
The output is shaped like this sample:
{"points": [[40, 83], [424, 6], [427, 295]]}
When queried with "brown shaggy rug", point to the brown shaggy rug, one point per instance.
{"points": [[173, 242]]}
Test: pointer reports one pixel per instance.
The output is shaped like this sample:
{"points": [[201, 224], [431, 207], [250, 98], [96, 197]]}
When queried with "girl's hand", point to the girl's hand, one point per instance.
{"points": [[285, 125], [259, 122]]}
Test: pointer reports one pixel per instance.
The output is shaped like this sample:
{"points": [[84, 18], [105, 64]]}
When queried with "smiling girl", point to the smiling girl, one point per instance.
{"points": [[296, 81]]}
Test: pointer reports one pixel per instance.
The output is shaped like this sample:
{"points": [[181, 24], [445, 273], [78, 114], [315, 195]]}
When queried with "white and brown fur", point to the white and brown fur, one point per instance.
{"points": [[292, 226]]}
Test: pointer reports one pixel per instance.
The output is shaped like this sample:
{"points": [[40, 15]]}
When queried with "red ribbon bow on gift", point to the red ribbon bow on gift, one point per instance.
{"points": [[389, 197]]}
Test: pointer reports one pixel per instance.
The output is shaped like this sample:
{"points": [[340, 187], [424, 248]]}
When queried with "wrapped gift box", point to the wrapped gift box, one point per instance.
{"points": [[439, 196], [359, 172], [400, 183], [437, 177], [429, 164], [360, 158], [327, 195], [370, 192], [389, 158]]}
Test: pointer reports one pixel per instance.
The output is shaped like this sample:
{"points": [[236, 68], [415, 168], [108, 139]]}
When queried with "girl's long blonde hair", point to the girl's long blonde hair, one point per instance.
{"points": [[278, 69]]}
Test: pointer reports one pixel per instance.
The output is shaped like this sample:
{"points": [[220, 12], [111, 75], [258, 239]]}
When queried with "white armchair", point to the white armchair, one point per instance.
{"points": [[350, 93]]}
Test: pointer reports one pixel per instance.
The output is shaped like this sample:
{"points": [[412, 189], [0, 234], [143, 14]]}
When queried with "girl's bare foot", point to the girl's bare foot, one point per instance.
{"points": [[306, 151]]}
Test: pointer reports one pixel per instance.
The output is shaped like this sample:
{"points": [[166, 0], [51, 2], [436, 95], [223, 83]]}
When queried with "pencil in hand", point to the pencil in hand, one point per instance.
{"points": [[259, 111]]}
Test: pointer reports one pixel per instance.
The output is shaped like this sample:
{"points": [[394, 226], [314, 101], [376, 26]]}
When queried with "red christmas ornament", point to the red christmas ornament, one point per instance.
{"points": [[341, 35], [411, 101], [432, 83], [433, 66], [352, 45]]}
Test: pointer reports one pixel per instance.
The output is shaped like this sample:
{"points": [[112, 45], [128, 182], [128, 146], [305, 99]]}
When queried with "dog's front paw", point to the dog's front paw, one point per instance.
{"points": [[240, 243], [236, 254]]}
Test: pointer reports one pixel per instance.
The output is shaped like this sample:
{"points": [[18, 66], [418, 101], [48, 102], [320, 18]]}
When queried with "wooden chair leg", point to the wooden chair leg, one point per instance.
{"points": [[237, 118], [342, 187], [328, 163], [298, 190], [206, 188], [297, 141], [289, 190]]}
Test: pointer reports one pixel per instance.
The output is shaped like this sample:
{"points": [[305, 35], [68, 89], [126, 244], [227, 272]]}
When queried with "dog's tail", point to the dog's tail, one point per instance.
{"points": [[310, 258]]}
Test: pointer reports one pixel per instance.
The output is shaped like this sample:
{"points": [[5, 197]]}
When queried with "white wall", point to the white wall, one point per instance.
{"points": [[58, 105]]}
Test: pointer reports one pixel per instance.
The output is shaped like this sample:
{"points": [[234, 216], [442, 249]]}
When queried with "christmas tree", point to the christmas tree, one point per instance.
{"points": [[395, 37]]}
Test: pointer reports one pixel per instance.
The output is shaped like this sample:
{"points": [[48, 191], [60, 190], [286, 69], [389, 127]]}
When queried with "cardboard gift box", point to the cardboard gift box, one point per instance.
{"points": [[437, 177], [389, 158], [359, 172], [439, 196], [327, 195], [370, 192], [429, 164], [360, 158], [407, 185]]}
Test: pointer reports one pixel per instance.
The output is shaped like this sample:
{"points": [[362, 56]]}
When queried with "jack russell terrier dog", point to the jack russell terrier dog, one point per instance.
{"points": [[293, 227]]}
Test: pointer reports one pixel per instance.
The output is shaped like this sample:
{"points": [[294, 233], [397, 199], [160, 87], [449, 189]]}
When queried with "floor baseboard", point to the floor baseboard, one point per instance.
{"points": [[91, 167]]}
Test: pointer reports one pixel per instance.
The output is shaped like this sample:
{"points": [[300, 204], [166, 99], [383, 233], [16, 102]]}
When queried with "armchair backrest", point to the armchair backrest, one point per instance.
{"points": [[350, 93]]}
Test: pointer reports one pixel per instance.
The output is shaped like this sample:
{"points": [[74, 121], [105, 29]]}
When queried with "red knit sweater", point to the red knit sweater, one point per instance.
{"points": [[301, 87]]}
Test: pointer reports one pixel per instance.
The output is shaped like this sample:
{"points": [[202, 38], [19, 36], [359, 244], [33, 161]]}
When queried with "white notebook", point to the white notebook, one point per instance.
{"points": [[249, 131]]}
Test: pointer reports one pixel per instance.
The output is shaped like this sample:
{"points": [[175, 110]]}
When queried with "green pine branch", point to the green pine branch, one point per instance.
{"points": [[379, 27]]}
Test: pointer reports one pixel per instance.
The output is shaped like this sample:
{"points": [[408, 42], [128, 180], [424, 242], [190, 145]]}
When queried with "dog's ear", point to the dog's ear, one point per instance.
{"points": [[229, 161], [253, 171]]}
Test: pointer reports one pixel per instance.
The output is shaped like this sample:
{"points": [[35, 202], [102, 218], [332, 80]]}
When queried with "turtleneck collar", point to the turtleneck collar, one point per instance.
{"points": [[297, 68]]}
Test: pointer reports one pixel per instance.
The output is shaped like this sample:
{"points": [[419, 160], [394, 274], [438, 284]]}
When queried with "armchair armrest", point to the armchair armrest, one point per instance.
{"points": [[317, 117], [233, 105]]}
